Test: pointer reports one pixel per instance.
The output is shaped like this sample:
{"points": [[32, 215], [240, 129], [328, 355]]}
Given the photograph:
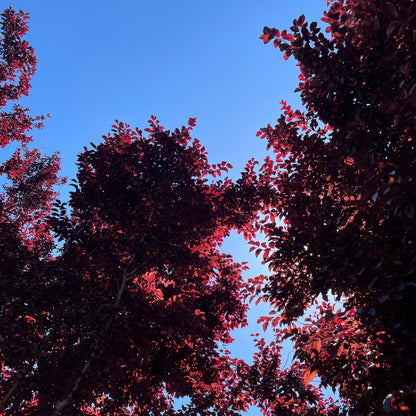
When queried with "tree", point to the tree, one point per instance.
{"points": [[31, 176], [134, 306], [154, 298], [137, 302], [342, 180]]}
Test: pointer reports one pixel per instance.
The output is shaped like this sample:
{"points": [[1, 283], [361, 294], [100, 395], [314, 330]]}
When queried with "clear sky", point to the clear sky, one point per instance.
{"points": [[99, 60]]}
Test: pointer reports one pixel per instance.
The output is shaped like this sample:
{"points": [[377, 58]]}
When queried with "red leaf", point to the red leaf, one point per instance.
{"points": [[316, 344], [309, 375]]}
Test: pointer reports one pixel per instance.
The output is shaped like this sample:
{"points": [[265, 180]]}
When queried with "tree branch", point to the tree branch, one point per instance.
{"points": [[127, 275], [62, 404], [8, 395]]}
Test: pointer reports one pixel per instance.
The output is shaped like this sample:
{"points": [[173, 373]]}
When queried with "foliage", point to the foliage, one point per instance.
{"points": [[138, 301], [135, 305], [155, 298], [343, 180]]}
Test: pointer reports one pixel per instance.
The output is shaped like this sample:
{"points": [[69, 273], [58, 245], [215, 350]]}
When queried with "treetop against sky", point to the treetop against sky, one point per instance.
{"points": [[97, 62], [139, 301]]}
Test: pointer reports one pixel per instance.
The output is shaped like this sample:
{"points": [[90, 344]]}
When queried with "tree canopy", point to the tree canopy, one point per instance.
{"points": [[343, 177], [119, 300]]}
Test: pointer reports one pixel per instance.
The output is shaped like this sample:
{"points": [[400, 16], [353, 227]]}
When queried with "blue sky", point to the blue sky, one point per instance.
{"points": [[104, 60]]}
